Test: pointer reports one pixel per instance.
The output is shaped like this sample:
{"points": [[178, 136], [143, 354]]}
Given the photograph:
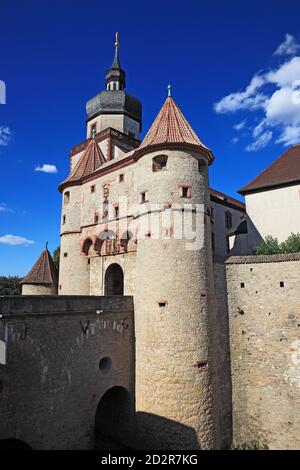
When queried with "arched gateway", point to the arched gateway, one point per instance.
{"points": [[114, 420], [114, 280]]}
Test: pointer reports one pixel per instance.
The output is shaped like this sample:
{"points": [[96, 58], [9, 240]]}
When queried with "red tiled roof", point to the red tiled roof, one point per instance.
{"points": [[91, 159], [43, 271], [171, 127], [285, 170], [226, 200]]}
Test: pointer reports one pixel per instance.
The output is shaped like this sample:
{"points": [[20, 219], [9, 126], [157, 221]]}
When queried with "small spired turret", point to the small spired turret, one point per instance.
{"points": [[115, 77], [42, 279]]}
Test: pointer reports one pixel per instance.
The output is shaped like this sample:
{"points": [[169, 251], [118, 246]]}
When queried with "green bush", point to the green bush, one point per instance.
{"points": [[10, 285], [291, 244], [271, 246]]}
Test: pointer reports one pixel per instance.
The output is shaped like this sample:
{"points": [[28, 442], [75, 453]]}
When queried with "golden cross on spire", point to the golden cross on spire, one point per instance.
{"points": [[117, 40]]}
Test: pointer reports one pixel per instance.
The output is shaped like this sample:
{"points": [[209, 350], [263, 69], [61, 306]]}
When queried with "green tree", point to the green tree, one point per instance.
{"points": [[269, 246], [56, 256], [291, 244], [10, 285]]}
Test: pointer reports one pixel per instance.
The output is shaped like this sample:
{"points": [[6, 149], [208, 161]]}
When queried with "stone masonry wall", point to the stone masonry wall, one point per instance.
{"points": [[264, 319], [51, 383]]}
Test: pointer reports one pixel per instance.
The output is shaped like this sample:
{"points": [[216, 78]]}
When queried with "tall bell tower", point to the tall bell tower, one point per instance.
{"points": [[114, 107]]}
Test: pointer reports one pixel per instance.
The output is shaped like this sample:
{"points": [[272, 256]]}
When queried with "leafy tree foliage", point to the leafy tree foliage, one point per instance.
{"points": [[56, 256], [271, 246], [291, 244], [10, 285]]}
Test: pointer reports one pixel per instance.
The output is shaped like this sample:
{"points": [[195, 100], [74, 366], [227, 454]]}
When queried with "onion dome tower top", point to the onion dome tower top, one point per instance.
{"points": [[115, 100]]}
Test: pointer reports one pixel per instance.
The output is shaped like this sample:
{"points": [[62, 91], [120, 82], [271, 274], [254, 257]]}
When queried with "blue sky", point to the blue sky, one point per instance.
{"points": [[233, 67]]}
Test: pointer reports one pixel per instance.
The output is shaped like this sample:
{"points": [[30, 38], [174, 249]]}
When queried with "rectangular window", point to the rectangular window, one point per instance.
{"points": [[93, 189], [93, 130], [185, 191], [116, 212], [64, 219], [96, 218], [228, 219], [143, 197], [66, 197], [121, 178]]}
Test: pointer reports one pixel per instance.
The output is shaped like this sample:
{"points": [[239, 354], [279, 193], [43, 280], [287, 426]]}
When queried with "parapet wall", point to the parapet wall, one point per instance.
{"points": [[264, 324], [50, 381]]}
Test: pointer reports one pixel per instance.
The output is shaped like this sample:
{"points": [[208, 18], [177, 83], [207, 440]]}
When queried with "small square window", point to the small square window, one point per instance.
{"points": [[281, 284], [93, 189], [121, 178], [65, 255], [242, 285], [186, 191]]}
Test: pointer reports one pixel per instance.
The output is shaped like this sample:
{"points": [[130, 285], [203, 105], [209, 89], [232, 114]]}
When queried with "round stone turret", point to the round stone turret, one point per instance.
{"points": [[174, 302]]}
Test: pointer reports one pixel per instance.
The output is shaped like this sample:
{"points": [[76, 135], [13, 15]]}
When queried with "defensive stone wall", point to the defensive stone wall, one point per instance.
{"points": [[264, 324], [59, 357]]}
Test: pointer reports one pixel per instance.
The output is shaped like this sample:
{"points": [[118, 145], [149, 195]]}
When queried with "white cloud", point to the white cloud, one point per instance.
{"points": [[46, 168], [235, 140], [279, 108], [285, 74], [288, 47], [4, 207], [247, 99], [5, 135], [261, 142], [289, 136], [240, 125], [15, 240]]}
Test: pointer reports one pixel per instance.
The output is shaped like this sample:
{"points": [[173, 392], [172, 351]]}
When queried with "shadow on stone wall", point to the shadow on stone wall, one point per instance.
{"points": [[13, 444], [159, 433]]}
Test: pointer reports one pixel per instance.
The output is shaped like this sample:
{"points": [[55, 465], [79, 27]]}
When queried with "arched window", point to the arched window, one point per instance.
{"points": [[86, 246], [114, 280], [66, 197], [159, 162]]}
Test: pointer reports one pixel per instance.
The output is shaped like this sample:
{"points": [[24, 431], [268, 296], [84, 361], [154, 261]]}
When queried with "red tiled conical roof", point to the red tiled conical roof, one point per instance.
{"points": [[91, 159], [43, 271], [171, 127]]}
